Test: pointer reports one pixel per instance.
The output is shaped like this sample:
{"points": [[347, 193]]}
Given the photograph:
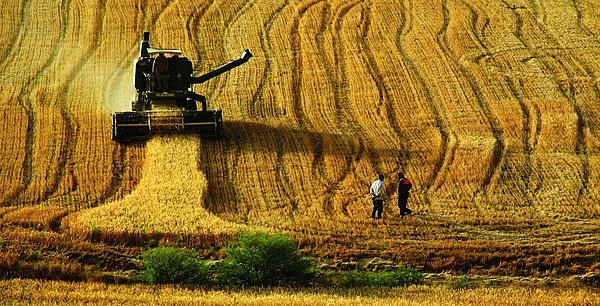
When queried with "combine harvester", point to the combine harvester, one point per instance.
{"points": [[165, 102]]}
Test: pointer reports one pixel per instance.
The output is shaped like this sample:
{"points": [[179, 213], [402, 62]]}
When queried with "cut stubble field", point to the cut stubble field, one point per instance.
{"points": [[489, 107]]}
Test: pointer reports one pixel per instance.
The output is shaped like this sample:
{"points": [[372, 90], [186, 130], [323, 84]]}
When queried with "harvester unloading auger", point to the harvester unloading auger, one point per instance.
{"points": [[165, 102]]}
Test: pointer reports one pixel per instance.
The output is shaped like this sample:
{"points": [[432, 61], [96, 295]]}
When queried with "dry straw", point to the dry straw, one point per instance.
{"points": [[168, 199]]}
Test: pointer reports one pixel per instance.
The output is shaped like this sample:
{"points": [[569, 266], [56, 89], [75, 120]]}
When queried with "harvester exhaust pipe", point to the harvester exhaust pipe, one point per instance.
{"points": [[145, 45]]}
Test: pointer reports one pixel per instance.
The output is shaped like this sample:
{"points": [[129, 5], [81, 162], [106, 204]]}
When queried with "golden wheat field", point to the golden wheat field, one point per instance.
{"points": [[490, 108], [62, 293]]}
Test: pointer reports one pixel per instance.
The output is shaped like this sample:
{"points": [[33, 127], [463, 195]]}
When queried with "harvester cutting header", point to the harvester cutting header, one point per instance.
{"points": [[165, 101]]}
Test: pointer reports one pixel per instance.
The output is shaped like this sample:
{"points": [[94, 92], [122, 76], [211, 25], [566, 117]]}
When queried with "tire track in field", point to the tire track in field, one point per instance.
{"points": [[335, 76], [120, 151], [447, 151], [535, 141], [67, 145], [266, 47], [14, 41], [298, 111], [377, 77], [596, 85], [344, 91], [297, 88], [216, 87], [347, 123], [231, 20], [214, 199], [529, 135], [193, 35], [190, 26], [586, 30], [304, 123], [537, 8], [384, 95], [247, 5], [162, 10], [237, 139], [318, 164], [27, 161], [452, 142], [282, 177], [538, 130], [499, 146], [580, 22], [17, 41], [582, 123], [30, 108], [581, 145], [119, 154]]}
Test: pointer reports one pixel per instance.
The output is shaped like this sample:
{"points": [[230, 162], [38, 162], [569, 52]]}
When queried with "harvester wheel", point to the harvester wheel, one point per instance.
{"points": [[137, 107]]}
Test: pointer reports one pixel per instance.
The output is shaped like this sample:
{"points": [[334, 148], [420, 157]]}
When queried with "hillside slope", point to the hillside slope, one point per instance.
{"points": [[489, 107]]}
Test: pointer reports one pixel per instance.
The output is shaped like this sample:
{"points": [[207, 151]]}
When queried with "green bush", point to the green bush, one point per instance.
{"points": [[401, 277], [258, 259], [462, 282], [164, 265], [95, 233]]}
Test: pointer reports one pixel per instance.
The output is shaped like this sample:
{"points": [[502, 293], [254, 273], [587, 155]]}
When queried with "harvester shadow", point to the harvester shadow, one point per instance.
{"points": [[225, 164], [260, 137]]}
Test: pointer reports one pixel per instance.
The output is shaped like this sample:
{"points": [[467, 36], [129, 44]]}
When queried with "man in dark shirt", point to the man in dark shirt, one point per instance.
{"points": [[161, 72], [404, 187]]}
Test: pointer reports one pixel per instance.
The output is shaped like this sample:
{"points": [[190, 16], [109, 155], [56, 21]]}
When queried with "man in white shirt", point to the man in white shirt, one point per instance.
{"points": [[377, 196]]}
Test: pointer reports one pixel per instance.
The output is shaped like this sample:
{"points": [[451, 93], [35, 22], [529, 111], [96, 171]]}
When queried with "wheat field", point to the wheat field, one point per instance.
{"points": [[491, 108], [64, 293]]}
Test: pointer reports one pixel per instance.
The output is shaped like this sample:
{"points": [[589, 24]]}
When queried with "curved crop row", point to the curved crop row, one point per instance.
{"points": [[489, 107]]}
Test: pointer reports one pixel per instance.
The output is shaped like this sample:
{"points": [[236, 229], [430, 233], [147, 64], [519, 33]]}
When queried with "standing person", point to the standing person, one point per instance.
{"points": [[160, 68], [377, 197], [404, 187]]}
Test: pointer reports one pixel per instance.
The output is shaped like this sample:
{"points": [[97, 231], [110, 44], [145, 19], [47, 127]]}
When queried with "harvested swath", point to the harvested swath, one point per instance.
{"points": [[39, 217], [168, 200]]}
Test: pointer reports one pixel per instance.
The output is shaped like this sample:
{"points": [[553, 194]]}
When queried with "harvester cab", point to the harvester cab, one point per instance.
{"points": [[165, 102]]}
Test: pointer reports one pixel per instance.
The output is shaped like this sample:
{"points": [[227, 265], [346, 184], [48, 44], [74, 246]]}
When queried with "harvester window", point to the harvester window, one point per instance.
{"points": [[160, 69]]}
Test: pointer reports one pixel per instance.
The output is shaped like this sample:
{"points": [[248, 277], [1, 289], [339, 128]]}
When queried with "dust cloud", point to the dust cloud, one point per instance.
{"points": [[122, 90]]}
